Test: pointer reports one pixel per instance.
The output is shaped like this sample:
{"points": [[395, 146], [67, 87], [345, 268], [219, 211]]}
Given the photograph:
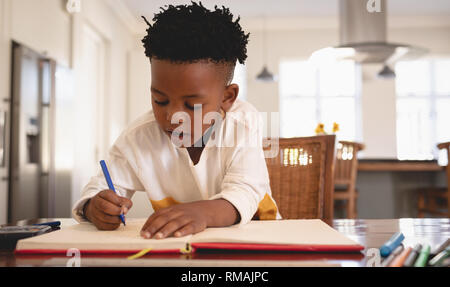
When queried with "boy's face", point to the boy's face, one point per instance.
{"points": [[183, 87]]}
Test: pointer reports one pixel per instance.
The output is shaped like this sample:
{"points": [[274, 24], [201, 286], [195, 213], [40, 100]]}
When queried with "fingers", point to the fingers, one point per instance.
{"points": [[177, 220], [156, 222], [107, 207], [186, 230], [110, 203], [160, 226], [154, 216], [171, 227], [105, 221], [106, 226], [126, 203], [109, 219], [112, 197]]}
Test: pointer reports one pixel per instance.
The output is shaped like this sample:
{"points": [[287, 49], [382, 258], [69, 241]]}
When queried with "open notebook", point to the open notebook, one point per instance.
{"points": [[296, 235]]}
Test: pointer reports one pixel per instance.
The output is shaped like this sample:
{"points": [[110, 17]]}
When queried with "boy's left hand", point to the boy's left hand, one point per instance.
{"points": [[189, 218]]}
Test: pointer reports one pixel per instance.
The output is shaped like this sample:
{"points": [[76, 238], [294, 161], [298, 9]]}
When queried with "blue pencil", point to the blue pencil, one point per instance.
{"points": [[110, 184], [391, 244]]}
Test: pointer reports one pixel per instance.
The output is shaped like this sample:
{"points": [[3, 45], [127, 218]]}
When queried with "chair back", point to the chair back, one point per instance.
{"points": [[301, 176], [346, 167], [446, 146]]}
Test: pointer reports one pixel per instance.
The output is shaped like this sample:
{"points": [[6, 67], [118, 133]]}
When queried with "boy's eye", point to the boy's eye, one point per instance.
{"points": [[197, 106], [189, 106], [161, 103]]}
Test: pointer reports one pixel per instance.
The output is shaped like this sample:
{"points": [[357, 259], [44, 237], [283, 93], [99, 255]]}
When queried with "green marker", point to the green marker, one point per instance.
{"points": [[439, 258], [423, 256]]}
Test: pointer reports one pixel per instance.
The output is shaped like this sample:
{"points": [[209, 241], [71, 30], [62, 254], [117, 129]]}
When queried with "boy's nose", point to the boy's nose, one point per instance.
{"points": [[177, 115], [170, 111]]}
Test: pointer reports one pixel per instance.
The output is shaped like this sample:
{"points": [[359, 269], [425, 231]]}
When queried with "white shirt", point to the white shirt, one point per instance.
{"points": [[231, 167]]}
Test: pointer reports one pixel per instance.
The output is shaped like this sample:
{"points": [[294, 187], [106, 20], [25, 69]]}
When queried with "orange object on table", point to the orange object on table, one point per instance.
{"points": [[398, 262]]}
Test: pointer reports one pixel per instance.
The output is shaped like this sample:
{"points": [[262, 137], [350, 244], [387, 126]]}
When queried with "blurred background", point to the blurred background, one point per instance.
{"points": [[73, 75]]}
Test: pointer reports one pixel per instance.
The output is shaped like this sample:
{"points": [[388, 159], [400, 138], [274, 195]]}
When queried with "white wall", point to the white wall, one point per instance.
{"points": [[378, 115], [46, 26], [118, 41], [121, 41], [139, 78], [43, 25]]}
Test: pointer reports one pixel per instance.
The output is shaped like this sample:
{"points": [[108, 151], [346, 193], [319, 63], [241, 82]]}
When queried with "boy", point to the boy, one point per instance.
{"points": [[197, 179]]}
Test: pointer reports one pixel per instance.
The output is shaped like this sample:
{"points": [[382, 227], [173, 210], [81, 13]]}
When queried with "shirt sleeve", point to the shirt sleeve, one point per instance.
{"points": [[123, 175], [246, 179]]}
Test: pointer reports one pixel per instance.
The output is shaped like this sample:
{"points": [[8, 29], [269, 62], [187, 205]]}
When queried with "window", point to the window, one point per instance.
{"points": [[309, 96], [423, 108]]}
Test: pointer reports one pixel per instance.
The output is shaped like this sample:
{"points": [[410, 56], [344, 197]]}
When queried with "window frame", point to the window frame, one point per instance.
{"points": [[433, 97], [318, 98]]}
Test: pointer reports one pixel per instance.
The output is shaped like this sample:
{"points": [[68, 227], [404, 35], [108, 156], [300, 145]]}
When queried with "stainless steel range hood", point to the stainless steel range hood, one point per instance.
{"points": [[363, 36]]}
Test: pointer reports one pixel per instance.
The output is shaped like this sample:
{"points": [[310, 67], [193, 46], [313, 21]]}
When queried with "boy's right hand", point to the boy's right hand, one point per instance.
{"points": [[103, 209]]}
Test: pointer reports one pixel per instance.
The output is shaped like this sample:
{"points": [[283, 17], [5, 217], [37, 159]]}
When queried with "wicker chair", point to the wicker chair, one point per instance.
{"points": [[345, 173], [301, 176], [434, 200]]}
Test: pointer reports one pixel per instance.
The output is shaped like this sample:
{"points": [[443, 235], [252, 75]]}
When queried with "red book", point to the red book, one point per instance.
{"points": [[309, 235]]}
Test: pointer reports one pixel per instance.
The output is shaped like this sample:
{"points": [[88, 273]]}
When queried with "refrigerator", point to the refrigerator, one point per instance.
{"points": [[39, 177]]}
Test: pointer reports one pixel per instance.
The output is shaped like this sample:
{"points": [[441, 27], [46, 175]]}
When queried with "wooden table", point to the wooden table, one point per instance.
{"points": [[369, 233], [399, 165]]}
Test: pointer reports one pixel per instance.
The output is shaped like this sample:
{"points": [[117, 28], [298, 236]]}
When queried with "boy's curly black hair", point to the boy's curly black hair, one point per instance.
{"points": [[191, 33]]}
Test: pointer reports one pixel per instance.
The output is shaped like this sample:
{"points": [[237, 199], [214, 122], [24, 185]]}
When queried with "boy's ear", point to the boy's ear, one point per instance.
{"points": [[229, 96]]}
